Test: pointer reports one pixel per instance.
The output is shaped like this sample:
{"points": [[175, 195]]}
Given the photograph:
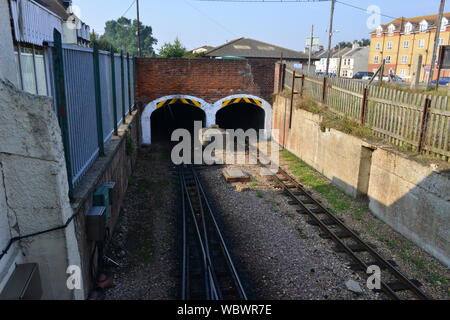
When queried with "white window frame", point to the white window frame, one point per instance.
{"points": [[405, 59], [421, 44], [389, 45], [376, 59], [444, 24], [388, 59], [441, 41], [423, 26], [379, 31], [378, 46], [391, 29], [408, 28], [406, 44]]}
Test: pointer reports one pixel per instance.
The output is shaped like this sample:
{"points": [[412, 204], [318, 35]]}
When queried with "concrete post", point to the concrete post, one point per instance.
{"points": [[416, 74]]}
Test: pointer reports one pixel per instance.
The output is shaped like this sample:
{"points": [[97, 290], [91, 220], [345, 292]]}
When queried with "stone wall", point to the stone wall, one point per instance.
{"points": [[410, 196]]}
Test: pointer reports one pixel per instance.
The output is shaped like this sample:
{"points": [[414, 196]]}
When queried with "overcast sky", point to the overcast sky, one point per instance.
{"points": [[198, 23]]}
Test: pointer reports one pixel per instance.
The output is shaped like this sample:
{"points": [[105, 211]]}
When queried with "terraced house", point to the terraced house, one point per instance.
{"points": [[402, 40]]}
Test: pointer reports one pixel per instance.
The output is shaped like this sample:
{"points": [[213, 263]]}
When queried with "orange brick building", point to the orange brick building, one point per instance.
{"points": [[402, 40]]}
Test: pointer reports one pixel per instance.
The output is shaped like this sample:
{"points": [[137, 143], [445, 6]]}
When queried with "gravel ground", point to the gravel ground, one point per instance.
{"points": [[145, 242], [279, 256]]}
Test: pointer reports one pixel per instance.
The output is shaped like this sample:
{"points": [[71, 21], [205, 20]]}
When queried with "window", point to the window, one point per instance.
{"points": [[441, 41], [421, 43], [423, 27], [376, 59], [391, 29], [379, 31], [404, 59], [389, 45], [406, 44], [378, 46], [444, 24], [403, 73], [388, 59], [31, 69], [408, 28]]}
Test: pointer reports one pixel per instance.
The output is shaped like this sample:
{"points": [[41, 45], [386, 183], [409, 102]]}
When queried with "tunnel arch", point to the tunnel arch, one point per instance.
{"points": [[267, 108], [150, 108]]}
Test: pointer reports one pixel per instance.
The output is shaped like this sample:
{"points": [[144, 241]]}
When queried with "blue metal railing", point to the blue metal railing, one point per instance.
{"points": [[80, 102]]}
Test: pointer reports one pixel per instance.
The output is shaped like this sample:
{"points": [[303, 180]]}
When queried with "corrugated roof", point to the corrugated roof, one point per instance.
{"points": [[250, 48], [55, 6]]}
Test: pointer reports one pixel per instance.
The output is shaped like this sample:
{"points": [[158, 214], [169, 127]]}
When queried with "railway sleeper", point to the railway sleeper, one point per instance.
{"points": [[352, 247], [357, 267], [340, 234], [398, 286], [314, 210], [326, 221]]}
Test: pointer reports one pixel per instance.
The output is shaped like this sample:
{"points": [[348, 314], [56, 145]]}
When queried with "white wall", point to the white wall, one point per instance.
{"points": [[34, 180]]}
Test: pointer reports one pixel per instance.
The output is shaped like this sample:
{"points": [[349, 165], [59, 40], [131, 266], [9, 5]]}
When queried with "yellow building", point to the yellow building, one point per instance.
{"points": [[402, 40]]}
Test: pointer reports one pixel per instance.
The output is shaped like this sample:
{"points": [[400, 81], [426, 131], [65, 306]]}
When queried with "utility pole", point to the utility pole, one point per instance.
{"points": [[330, 35], [138, 30], [436, 43], [310, 49]]}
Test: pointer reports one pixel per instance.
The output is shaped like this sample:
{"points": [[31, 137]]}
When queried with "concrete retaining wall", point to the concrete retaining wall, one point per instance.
{"points": [[411, 197]]}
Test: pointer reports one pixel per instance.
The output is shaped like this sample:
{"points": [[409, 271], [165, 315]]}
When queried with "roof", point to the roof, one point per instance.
{"points": [[431, 19], [250, 48], [340, 53], [355, 51], [55, 6], [203, 47]]}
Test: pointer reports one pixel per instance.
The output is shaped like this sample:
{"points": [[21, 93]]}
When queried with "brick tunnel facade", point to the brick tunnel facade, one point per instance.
{"points": [[206, 83], [208, 79]]}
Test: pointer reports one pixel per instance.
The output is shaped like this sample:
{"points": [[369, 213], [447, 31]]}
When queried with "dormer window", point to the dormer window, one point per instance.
{"points": [[408, 28], [379, 31], [391, 29], [423, 27], [444, 24]]}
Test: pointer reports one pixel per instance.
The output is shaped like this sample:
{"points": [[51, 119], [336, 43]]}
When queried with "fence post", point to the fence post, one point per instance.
{"points": [[303, 85], [134, 81], [129, 83], [114, 95], [424, 124], [364, 106], [61, 103], [122, 73], [292, 99], [98, 100], [283, 76], [324, 89]]}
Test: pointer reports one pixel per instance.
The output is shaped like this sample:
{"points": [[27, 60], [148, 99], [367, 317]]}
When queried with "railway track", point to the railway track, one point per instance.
{"points": [[394, 283], [208, 272]]}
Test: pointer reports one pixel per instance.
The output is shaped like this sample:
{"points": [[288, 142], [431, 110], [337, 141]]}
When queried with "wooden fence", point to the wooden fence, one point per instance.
{"points": [[418, 122]]}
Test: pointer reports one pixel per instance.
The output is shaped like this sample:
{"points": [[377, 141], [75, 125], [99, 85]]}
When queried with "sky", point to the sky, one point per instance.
{"points": [[287, 24]]}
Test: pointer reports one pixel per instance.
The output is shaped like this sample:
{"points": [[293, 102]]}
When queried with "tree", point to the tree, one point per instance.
{"points": [[346, 44], [122, 35], [103, 44], [174, 50]]}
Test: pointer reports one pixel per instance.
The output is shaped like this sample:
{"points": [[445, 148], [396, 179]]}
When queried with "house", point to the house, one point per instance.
{"points": [[33, 22], [402, 40], [354, 61], [335, 61], [253, 49]]}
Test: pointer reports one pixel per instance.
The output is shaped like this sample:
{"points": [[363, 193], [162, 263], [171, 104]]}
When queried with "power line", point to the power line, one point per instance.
{"points": [[131, 5], [362, 9]]}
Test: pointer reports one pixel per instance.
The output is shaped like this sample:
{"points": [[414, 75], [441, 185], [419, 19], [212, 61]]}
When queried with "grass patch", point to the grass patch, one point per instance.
{"points": [[339, 201], [259, 194], [420, 263]]}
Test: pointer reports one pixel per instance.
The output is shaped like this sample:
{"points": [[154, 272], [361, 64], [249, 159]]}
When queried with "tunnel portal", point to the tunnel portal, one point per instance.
{"points": [[167, 119], [241, 115]]}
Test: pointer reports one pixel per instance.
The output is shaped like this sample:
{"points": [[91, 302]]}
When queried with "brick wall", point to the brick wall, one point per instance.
{"points": [[208, 79]]}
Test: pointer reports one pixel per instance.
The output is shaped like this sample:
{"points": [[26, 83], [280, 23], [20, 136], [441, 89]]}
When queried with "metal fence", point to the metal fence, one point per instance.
{"points": [[418, 122], [93, 92]]}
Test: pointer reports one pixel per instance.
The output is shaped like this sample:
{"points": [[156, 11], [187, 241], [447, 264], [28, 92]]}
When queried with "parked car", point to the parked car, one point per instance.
{"points": [[361, 75], [391, 78], [442, 81]]}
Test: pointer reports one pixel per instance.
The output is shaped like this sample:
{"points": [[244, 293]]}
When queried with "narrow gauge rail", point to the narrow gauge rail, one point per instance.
{"points": [[208, 272], [348, 241]]}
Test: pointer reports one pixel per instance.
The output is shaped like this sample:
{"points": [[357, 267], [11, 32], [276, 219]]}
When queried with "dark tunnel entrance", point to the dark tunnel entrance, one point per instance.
{"points": [[167, 119], [241, 116]]}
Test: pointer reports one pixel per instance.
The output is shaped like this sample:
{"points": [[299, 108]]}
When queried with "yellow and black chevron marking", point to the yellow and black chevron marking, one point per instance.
{"points": [[238, 100], [191, 102]]}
